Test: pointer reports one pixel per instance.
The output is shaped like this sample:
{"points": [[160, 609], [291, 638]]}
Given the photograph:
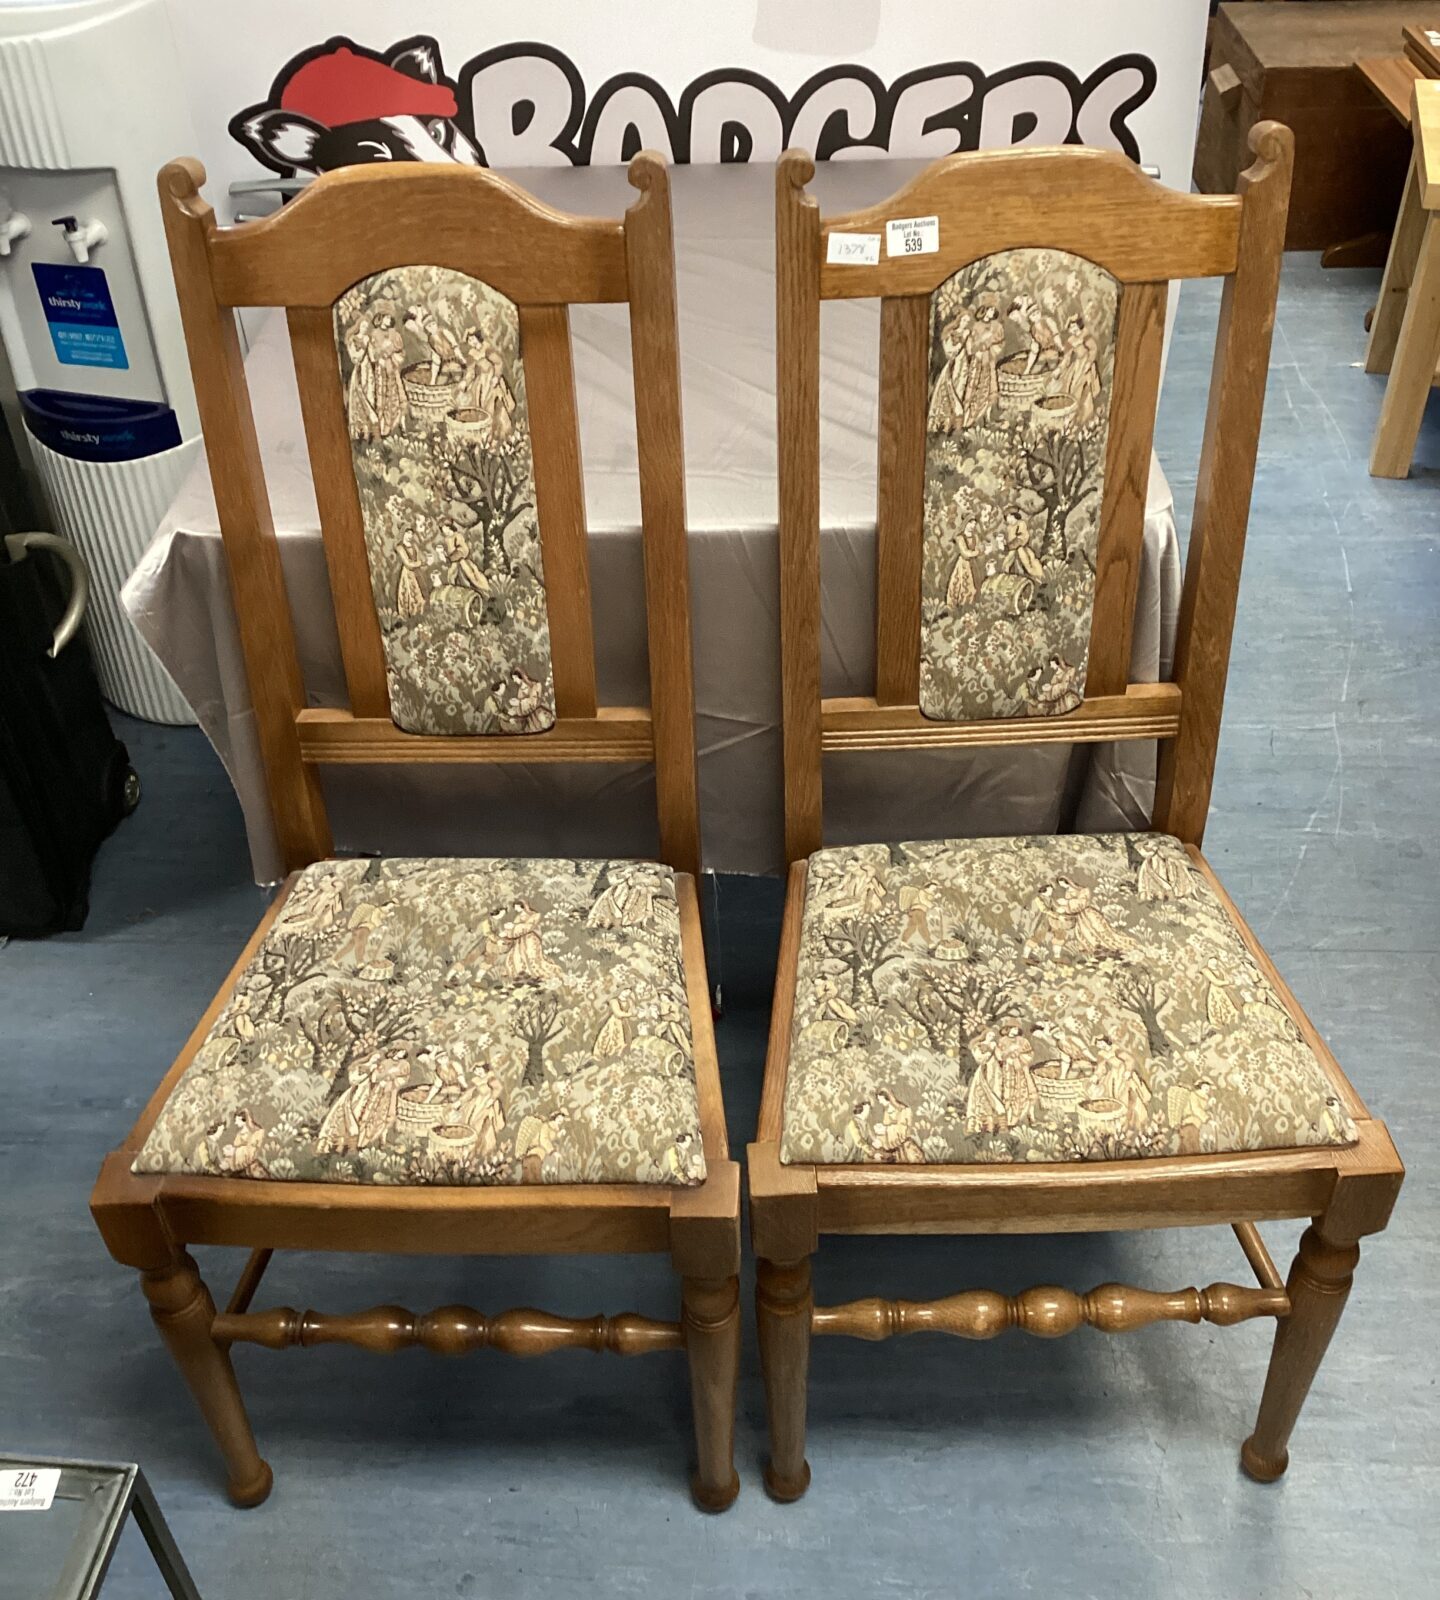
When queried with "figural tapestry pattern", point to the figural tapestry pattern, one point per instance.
{"points": [[440, 438], [1022, 356], [1060, 998], [451, 1022]]}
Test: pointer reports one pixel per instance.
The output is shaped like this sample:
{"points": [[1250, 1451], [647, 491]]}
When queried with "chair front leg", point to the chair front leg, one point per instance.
{"points": [[783, 1303], [710, 1315], [185, 1314], [1319, 1285]]}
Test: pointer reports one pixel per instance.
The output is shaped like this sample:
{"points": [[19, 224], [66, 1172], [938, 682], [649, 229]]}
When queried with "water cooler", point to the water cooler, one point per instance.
{"points": [[92, 103]]}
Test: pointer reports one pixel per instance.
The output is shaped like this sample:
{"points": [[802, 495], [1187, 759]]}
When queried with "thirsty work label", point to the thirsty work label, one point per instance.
{"points": [[83, 326]]}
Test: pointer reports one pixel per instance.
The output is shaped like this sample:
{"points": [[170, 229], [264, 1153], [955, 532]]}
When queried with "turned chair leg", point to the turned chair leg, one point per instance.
{"points": [[783, 1304], [1319, 1286], [710, 1316], [184, 1313]]}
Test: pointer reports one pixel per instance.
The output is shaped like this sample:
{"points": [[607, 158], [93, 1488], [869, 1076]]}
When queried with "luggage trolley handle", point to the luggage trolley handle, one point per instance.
{"points": [[18, 544]]}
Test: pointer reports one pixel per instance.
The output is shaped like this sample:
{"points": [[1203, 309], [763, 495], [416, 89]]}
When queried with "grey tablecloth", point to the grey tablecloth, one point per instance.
{"points": [[179, 596]]}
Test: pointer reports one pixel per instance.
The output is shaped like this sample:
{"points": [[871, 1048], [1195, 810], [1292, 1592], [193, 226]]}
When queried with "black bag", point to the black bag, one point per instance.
{"points": [[65, 779]]}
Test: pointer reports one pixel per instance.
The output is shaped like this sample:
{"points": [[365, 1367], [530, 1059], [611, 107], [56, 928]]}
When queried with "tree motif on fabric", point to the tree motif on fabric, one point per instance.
{"points": [[1022, 352], [434, 388], [1045, 999], [451, 1022]]}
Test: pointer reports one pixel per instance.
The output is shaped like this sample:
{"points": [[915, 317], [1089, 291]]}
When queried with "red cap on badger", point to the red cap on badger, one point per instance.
{"points": [[343, 87]]}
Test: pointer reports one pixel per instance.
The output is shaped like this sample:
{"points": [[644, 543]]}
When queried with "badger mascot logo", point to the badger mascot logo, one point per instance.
{"points": [[340, 105]]}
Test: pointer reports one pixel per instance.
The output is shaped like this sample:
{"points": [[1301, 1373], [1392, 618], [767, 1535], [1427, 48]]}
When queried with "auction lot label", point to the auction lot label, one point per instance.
{"points": [[28, 1488]]}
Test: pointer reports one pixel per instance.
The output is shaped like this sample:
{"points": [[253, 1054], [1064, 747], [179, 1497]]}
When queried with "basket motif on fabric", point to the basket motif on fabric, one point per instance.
{"points": [[432, 399]]}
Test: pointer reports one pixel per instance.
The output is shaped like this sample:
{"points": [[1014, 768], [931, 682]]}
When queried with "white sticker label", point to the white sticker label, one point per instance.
{"points": [[853, 249], [28, 1488], [912, 236]]}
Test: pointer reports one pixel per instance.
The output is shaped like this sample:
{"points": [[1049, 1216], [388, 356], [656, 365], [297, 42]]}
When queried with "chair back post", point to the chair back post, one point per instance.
{"points": [[337, 499], [560, 503], [257, 583], [797, 388], [1224, 485], [655, 359]]}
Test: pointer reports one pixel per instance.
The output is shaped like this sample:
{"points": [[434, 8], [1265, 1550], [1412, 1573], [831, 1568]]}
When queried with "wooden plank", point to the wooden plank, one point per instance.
{"points": [[1422, 49], [900, 497], [1412, 370], [560, 504], [1391, 79], [1143, 711], [257, 584], [1095, 203], [655, 358], [1425, 129], [1135, 392], [797, 380], [617, 734], [342, 523], [517, 1219], [1077, 1196], [1224, 483], [1405, 245], [361, 220], [1316, 37]]}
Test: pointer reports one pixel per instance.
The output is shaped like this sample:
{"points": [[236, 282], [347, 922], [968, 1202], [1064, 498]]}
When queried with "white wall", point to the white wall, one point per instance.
{"points": [[233, 54]]}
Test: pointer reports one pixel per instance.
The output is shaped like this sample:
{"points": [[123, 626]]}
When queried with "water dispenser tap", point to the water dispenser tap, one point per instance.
{"points": [[14, 228], [82, 237]]}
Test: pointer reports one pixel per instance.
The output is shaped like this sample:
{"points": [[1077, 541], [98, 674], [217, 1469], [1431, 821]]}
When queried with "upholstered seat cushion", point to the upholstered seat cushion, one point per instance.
{"points": [[1039, 999], [451, 1022]]}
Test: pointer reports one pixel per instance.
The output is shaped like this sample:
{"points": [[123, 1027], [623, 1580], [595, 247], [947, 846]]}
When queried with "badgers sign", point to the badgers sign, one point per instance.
{"points": [[526, 105]]}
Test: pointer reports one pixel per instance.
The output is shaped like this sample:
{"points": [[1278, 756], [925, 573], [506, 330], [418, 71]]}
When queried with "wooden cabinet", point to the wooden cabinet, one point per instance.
{"points": [[1295, 63]]}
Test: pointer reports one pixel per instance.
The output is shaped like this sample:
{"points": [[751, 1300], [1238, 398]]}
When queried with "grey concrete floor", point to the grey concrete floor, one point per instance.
{"points": [[1085, 1467]]}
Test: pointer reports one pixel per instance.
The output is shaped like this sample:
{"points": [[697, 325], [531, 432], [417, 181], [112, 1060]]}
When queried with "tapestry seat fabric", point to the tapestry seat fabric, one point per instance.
{"points": [[451, 1022], [1063, 998], [434, 384], [1022, 358]]}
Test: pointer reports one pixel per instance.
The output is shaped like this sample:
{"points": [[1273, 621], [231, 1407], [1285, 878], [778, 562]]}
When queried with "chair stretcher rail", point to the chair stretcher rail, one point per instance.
{"points": [[1048, 1313], [451, 1331]]}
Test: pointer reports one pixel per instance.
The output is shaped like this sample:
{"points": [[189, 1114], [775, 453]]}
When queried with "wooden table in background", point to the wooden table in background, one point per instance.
{"points": [[1405, 329], [1296, 63]]}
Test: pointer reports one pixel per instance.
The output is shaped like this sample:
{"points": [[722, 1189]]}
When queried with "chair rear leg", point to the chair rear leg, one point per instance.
{"points": [[710, 1316], [1319, 1286], [185, 1314], [783, 1303]]}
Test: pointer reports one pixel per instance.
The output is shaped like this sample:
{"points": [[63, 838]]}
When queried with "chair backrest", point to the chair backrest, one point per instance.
{"points": [[1021, 329], [428, 312]]}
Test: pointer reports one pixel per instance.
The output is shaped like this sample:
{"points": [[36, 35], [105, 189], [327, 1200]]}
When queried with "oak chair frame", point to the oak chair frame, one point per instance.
{"points": [[345, 227], [1097, 205]]}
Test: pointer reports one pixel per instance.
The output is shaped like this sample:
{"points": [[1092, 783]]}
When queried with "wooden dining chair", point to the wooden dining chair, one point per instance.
{"points": [[444, 1057], [1056, 1034]]}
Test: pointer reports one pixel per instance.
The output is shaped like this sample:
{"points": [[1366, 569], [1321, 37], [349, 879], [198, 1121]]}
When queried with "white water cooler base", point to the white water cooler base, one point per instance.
{"points": [[110, 511]]}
